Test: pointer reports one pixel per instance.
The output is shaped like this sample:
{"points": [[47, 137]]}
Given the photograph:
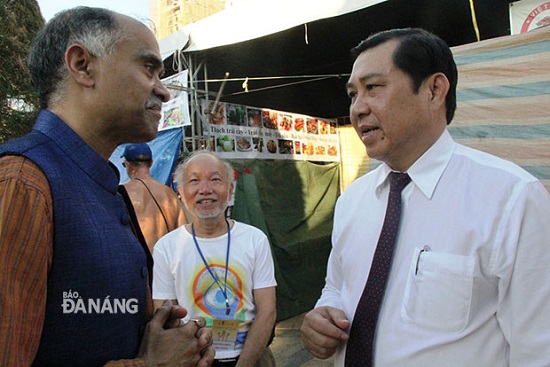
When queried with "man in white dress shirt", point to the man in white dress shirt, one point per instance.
{"points": [[470, 276]]}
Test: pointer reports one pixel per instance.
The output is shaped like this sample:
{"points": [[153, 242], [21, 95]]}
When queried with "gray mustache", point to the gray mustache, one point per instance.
{"points": [[153, 103]]}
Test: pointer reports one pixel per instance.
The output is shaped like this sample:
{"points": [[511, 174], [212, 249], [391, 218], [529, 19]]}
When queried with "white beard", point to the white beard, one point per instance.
{"points": [[216, 213]]}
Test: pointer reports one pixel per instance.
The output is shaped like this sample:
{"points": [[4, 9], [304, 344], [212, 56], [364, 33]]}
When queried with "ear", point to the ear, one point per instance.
{"points": [[79, 62], [438, 85]]}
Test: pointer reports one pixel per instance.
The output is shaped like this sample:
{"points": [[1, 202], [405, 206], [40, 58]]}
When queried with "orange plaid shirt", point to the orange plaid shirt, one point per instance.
{"points": [[26, 250]]}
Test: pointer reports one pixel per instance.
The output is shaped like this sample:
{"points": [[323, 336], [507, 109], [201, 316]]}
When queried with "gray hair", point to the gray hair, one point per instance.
{"points": [[182, 166], [96, 29]]}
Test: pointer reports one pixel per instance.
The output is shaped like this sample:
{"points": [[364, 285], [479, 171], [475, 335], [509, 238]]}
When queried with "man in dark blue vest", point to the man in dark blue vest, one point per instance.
{"points": [[74, 278]]}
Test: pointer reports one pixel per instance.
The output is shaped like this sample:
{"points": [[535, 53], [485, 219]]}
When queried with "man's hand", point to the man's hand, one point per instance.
{"points": [[176, 314], [167, 343], [323, 331]]}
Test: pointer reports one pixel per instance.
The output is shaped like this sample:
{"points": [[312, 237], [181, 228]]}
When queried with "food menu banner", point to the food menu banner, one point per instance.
{"points": [[175, 112], [238, 131]]}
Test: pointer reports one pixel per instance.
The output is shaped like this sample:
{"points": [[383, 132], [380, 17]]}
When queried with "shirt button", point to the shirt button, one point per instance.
{"points": [[125, 219]]}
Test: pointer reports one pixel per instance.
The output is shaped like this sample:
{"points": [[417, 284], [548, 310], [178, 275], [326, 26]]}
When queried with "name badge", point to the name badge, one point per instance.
{"points": [[224, 334]]}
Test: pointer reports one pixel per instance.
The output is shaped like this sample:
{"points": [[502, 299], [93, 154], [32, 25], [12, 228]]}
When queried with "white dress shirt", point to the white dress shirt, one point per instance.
{"points": [[480, 296]]}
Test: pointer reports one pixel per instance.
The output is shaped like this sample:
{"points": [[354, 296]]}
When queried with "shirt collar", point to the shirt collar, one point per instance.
{"points": [[428, 169], [103, 173]]}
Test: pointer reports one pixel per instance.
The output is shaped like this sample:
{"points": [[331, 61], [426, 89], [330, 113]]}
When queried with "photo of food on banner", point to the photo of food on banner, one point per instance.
{"points": [[172, 117], [271, 146], [299, 124], [258, 144], [309, 148], [236, 115], [270, 119], [298, 147], [286, 146], [254, 117], [285, 122], [216, 117], [244, 144], [228, 144], [325, 127], [312, 125], [225, 143]]}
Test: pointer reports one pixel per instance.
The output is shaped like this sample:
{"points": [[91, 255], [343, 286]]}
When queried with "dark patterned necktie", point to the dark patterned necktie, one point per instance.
{"points": [[359, 352]]}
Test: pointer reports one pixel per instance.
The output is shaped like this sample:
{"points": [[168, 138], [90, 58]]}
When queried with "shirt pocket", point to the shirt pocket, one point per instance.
{"points": [[439, 288]]}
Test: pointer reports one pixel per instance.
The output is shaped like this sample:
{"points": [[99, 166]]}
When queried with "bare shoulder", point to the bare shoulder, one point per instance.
{"points": [[133, 186]]}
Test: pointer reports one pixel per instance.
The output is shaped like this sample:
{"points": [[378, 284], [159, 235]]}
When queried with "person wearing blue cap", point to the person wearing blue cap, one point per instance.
{"points": [[157, 206], [137, 153]]}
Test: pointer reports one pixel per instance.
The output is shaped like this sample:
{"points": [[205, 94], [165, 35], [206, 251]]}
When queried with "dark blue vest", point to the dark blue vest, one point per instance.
{"points": [[97, 286]]}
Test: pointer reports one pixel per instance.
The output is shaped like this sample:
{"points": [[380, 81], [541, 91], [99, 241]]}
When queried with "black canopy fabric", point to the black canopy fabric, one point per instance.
{"points": [[293, 203], [304, 69]]}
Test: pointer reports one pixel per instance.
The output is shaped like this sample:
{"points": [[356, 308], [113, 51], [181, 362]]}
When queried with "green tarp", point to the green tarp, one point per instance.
{"points": [[293, 203]]}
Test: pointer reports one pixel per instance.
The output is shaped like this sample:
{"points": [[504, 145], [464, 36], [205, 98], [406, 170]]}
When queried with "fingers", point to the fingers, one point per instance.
{"points": [[205, 337], [323, 331], [320, 352], [207, 357], [205, 343], [342, 324], [162, 315], [196, 323], [328, 321], [176, 312], [321, 346], [196, 327], [185, 344], [337, 318], [203, 340], [200, 322]]}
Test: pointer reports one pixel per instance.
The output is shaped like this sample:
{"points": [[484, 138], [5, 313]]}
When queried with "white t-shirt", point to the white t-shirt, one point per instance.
{"points": [[180, 273], [479, 296]]}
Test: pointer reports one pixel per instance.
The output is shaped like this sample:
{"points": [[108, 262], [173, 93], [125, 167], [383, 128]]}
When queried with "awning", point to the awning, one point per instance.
{"points": [[255, 19], [304, 68]]}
